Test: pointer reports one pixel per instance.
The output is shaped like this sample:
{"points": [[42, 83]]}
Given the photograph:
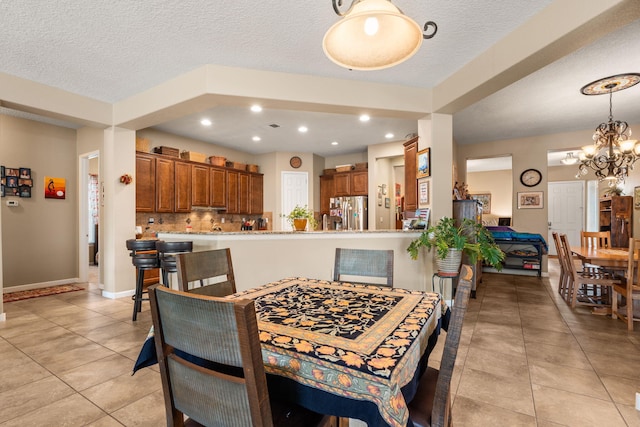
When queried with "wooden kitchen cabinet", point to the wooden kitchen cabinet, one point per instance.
{"points": [[218, 187], [342, 184], [182, 187], [411, 175], [145, 183], [327, 191], [256, 193], [233, 183], [200, 190], [165, 185], [243, 193], [359, 183]]}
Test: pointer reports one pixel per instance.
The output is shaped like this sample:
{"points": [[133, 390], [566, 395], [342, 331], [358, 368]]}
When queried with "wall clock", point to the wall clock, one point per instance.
{"points": [[531, 177], [295, 162]]}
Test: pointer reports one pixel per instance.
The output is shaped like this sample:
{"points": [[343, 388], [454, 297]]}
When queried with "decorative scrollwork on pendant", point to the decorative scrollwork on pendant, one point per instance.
{"points": [[337, 4], [430, 35]]}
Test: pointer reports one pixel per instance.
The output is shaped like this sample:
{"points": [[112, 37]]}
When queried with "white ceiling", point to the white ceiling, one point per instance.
{"points": [[112, 50]]}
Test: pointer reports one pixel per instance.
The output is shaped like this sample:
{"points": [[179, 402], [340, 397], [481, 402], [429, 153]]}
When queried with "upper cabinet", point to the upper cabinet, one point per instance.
{"points": [[166, 184], [353, 183], [410, 175], [145, 183], [327, 191]]}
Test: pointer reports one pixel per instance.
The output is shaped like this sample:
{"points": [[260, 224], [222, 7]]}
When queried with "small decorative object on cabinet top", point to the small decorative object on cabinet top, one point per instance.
{"points": [[531, 177]]}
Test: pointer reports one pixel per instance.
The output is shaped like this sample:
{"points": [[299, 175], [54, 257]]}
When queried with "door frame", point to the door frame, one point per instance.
{"points": [[83, 214]]}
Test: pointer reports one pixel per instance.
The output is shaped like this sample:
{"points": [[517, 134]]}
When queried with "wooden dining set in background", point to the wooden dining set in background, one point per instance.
{"points": [[595, 274], [300, 351]]}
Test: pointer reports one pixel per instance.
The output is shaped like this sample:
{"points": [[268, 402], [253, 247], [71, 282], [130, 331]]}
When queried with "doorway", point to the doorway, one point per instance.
{"points": [[566, 211], [295, 191], [89, 232]]}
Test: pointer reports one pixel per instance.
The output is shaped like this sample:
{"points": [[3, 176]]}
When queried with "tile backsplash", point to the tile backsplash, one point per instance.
{"points": [[199, 221]]}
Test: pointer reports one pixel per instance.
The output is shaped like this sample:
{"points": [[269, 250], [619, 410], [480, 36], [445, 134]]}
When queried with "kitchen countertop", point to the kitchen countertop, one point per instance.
{"points": [[279, 232]]}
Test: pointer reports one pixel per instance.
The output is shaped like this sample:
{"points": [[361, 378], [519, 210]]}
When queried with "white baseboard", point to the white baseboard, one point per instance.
{"points": [[31, 286], [116, 295]]}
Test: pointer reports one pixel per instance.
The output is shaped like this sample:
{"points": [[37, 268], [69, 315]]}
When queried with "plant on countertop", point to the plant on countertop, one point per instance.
{"points": [[470, 237], [300, 212]]}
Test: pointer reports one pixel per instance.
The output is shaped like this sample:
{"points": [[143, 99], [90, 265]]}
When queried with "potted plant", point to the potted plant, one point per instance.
{"points": [[450, 241], [300, 216]]}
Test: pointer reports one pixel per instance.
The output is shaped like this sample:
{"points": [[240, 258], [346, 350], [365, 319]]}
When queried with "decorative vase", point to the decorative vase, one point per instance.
{"points": [[300, 224], [450, 265]]}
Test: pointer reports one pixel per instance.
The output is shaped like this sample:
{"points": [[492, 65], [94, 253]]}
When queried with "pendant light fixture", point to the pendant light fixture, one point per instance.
{"points": [[372, 35], [570, 159], [613, 152]]}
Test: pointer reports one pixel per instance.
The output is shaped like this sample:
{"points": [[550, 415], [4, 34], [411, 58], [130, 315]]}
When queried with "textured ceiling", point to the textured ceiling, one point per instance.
{"points": [[112, 50]]}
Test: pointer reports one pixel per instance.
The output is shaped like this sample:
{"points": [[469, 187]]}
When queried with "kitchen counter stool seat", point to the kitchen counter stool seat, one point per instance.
{"points": [[144, 257], [167, 256]]}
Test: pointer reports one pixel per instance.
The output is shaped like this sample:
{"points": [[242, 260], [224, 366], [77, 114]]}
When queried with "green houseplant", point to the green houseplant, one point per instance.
{"points": [[300, 216], [450, 240]]}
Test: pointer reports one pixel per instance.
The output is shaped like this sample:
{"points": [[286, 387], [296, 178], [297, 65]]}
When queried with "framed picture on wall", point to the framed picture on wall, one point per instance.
{"points": [[423, 192], [485, 201], [636, 197], [531, 200], [424, 163]]}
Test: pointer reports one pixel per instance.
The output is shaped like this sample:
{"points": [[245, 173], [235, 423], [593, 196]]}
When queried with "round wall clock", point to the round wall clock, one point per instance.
{"points": [[295, 162], [531, 177]]}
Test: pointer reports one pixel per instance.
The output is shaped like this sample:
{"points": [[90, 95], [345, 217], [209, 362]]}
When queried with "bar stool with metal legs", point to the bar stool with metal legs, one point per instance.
{"points": [[167, 255], [144, 257]]}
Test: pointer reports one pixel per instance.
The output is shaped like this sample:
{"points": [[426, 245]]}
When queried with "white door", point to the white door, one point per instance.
{"points": [[295, 191], [566, 211]]}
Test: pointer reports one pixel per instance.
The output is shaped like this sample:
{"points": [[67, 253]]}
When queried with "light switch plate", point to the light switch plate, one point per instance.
{"points": [[12, 203]]}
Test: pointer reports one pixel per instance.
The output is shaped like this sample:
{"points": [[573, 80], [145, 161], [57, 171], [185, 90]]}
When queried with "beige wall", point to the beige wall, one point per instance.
{"points": [[39, 237], [499, 185]]}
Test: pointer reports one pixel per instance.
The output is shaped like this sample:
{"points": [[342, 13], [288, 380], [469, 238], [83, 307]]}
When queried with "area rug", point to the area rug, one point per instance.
{"points": [[42, 292]]}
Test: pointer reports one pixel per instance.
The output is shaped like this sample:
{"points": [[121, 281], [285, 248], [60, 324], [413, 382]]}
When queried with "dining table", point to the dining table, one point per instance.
{"points": [[345, 349], [612, 258]]}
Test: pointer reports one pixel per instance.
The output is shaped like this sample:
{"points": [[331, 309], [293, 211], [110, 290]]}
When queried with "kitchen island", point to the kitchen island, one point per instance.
{"points": [[261, 257]]}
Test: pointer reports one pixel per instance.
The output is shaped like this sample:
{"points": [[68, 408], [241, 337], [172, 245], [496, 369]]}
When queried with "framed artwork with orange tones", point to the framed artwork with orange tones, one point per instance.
{"points": [[54, 188]]}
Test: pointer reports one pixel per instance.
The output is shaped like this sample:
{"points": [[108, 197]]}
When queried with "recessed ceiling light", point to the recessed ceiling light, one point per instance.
{"points": [[365, 118], [205, 122], [256, 139], [334, 143], [256, 108], [302, 129], [389, 135]]}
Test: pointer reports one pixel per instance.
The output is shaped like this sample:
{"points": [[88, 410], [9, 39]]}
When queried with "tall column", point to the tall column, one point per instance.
{"points": [[118, 211], [437, 134]]}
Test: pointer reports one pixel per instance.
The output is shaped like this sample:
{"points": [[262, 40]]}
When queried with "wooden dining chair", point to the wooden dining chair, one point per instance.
{"points": [[364, 263], [628, 289], [563, 281], [228, 385], [595, 239], [212, 269], [431, 405], [591, 286]]}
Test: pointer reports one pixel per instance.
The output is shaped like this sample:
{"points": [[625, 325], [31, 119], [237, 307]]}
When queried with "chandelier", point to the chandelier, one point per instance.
{"points": [[613, 153], [373, 34]]}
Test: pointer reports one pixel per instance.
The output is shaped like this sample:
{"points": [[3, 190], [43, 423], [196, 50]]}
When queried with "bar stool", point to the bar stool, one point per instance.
{"points": [[144, 261], [167, 255]]}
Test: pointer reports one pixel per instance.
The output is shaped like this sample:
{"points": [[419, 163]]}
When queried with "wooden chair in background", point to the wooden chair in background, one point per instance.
{"points": [[366, 263], [564, 280], [228, 386], [589, 286], [212, 269], [431, 405], [629, 288], [596, 239]]}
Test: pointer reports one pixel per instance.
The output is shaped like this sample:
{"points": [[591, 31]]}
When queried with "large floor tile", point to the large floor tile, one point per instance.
{"points": [[124, 389], [29, 397], [73, 410], [573, 409], [467, 412], [579, 381]]}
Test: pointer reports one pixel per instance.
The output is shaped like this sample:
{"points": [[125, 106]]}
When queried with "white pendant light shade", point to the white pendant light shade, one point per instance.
{"points": [[373, 36]]}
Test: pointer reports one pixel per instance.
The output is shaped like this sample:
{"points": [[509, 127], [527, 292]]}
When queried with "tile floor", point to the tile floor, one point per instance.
{"points": [[525, 359]]}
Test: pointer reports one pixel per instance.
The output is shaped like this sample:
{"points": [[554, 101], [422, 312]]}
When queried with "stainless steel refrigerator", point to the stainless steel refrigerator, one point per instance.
{"points": [[349, 213]]}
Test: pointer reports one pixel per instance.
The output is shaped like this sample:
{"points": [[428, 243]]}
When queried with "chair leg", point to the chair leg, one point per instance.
{"points": [[137, 298]]}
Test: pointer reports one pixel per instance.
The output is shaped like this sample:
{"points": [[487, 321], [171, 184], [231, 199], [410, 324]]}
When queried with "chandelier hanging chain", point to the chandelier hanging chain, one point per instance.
{"points": [[337, 4]]}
